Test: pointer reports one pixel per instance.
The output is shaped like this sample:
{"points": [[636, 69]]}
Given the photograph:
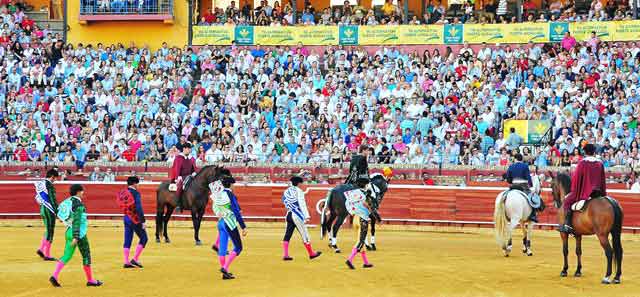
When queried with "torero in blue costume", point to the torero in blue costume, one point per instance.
{"points": [[226, 207]]}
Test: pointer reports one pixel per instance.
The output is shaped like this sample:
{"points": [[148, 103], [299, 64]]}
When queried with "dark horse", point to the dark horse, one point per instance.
{"points": [[600, 216], [195, 197], [335, 204]]}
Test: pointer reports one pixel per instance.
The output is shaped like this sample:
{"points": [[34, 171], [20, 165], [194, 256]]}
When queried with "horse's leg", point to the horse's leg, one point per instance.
{"points": [[329, 226], [159, 218], [565, 253], [336, 228], [512, 225], [608, 252], [196, 226], [373, 235], [579, 255], [524, 237], [530, 226], [167, 217], [617, 250]]}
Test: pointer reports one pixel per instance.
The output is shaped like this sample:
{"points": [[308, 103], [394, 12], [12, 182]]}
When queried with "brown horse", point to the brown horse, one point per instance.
{"points": [[600, 216], [195, 198]]}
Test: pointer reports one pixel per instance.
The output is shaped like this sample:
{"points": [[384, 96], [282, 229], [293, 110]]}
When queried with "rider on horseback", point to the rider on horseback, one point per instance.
{"points": [[588, 181], [359, 168], [184, 166], [519, 178]]}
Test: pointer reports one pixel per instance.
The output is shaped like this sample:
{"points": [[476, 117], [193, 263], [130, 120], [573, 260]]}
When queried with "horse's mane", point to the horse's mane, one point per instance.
{"points": [[564, 180], [218, 170]]}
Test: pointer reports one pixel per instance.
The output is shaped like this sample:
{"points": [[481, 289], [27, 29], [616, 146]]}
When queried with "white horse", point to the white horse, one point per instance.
{"points": [[512, 210]]}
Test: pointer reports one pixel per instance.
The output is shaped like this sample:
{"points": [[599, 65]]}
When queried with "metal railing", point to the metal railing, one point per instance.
{"points": [[125, 7]]}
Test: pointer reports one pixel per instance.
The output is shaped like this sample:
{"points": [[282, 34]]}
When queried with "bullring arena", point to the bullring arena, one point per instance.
{"points": [[450, 98], [415, 257]]}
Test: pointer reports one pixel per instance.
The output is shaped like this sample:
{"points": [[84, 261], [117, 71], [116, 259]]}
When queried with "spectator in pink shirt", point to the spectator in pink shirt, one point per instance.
{"points": [[568, 42]]}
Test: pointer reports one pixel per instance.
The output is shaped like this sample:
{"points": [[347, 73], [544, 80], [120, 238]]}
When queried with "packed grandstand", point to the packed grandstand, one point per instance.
{"points": [[294, 104]]}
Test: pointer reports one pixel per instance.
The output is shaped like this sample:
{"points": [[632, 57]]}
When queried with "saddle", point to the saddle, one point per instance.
{"points": [[185, 184], [579, 206], [534, 200]]}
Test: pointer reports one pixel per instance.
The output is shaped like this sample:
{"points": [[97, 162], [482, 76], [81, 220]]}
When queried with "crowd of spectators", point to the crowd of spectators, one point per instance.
{"points": [[117, 103], [392, 13]]}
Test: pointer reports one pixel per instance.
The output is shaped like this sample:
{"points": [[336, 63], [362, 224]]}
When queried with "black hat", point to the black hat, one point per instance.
{"points": [[589, 149], [52, 173], [296, 180], [132, 180]]}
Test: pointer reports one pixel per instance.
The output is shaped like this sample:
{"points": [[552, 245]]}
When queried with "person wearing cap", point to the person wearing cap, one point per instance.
{"points": [[297, 216], [46, 197], [227, 209], [74, 215], [183, 166], [134, 222], [588, 181]]}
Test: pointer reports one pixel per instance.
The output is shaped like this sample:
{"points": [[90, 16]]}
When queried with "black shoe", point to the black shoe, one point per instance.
{"points": [[40, 253], [287, 258], [54, 282], [226, 274], [50, 259], [128, 265], [96, 284], [369, 248], [318, 253], [136, 263], [350, 264], [369, 265], [214, 247]]}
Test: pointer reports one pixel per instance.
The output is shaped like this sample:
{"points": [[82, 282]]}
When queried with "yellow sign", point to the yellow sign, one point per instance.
{"points": [[275, 35], [375, 35], [512, 33], [582, 31], [521, 126], [420, 35], [213, 35], [627, 30], [317, 35]]}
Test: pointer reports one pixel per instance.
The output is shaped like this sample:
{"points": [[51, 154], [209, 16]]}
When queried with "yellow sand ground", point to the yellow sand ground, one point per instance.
{"points": [[432, 262]]}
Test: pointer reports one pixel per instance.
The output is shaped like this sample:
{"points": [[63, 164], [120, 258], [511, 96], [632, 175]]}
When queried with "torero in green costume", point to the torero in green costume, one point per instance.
{"points": [[46, 197], [73, 212]]}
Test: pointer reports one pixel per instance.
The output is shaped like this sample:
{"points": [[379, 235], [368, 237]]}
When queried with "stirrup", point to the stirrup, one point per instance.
{"points": [[566, 229]]}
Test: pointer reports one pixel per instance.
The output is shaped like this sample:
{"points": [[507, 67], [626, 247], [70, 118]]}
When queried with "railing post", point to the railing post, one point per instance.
{"points": [[190, 38], [65, 21]]}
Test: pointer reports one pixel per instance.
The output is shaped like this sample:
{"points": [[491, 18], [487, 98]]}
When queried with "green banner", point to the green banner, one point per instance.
{"points": [[536, 130], [453, 34], [348, 35], [244, 35]]}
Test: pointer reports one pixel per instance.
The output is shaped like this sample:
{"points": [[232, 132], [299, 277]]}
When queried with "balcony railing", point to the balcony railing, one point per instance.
{"points": [[118, 10]]}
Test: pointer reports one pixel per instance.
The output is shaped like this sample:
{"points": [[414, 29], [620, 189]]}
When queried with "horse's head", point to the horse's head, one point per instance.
{"points": [[560, 187], [212, 173], [378, 187]]}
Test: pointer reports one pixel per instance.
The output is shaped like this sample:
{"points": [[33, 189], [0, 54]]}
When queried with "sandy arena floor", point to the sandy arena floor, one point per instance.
{"points": [[465, 262]]}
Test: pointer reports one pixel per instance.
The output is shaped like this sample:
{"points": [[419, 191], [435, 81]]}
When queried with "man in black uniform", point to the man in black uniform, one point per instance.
{"points": [[359, 168]]}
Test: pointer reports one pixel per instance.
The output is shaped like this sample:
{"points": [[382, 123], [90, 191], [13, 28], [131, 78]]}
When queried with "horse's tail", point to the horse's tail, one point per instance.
{"points": [[501, 221], [325, 225], [617, 216]]}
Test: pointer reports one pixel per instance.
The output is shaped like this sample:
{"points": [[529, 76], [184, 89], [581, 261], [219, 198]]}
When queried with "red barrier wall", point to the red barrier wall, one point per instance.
{"points": [[406, 203]]}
